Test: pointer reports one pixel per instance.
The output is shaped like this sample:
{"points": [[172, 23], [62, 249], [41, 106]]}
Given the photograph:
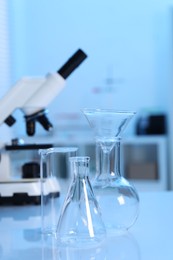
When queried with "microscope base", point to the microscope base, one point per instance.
{"points": [[27, 191]]}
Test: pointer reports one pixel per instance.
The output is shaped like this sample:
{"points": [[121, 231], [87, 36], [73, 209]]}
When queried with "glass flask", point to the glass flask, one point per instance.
{"points": [[118, 199], [80, 222]]}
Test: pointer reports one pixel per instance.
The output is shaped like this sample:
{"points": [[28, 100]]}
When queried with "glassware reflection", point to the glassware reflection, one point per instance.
{"points": [[117, 247], [32, 244], [89, 253], [49, 247], [122, 247]]}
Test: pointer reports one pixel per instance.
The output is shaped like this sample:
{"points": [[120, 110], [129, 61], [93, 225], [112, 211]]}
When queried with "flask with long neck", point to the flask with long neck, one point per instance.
{"points": [[117, 198]]}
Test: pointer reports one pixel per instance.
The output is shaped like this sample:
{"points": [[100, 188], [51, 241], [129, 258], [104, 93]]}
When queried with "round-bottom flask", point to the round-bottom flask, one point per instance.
{"points": [[80, 222], [118, 199]]}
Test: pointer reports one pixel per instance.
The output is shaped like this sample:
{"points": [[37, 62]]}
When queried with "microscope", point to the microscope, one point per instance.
{"points": [[32, 96]]}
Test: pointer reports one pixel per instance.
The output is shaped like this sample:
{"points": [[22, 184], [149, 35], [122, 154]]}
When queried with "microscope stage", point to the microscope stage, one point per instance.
{"points": [[27, 191]]}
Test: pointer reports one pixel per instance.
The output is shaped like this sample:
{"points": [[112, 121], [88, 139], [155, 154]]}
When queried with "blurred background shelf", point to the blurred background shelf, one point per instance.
{"points": [[144, 160]]}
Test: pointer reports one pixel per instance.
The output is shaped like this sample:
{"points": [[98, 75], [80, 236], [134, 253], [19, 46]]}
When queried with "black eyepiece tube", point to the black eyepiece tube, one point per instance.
{"points": [[78, 57]]}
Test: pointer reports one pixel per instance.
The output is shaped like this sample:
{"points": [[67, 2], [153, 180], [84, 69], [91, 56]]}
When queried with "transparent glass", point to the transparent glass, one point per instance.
{"points": [[80, 222], [54, 175], [118, 199]]}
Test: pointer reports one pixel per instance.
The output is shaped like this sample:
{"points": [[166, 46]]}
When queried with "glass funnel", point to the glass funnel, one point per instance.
{"points": [[117, 198], [80, 222]]}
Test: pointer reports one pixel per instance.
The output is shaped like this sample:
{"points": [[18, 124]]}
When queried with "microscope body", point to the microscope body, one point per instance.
{"points": [[31, 95]]}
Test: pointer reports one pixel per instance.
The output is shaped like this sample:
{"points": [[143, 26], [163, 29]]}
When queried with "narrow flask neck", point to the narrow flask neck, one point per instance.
{"points": [[80, 166], [79, 170], [80, 180], [108, 159]]}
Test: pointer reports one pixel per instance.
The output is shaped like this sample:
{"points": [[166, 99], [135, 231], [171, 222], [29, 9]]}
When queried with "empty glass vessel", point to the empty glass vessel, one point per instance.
{"points": [[117, 198], [54, 176], [80, 222]]}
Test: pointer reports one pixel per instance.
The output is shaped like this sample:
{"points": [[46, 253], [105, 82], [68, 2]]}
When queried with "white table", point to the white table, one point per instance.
{"points": [[151, 238]]}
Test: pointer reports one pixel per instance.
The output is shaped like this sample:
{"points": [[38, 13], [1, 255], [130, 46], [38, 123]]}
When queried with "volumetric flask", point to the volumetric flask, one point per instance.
{"points": [[117, 197], [55, 175]]}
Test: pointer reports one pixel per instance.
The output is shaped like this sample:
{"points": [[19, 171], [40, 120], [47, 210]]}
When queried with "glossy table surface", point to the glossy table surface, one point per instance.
{"points": [[151, 238]]}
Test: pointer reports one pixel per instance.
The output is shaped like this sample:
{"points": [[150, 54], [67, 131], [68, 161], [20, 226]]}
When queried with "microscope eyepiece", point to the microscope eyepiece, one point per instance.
{"points": [[78, 57]]}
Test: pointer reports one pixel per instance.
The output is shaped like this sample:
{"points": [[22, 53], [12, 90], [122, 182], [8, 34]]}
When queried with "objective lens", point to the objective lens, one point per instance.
{"points": [[30, 127], [44, 121]]}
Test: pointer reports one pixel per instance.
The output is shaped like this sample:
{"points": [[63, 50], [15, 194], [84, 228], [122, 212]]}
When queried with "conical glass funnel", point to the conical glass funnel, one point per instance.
{"points": [[80, 222], [117, 198]]}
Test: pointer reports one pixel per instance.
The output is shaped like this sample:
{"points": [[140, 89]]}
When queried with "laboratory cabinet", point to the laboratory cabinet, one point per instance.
{"points": [[144, 162]]}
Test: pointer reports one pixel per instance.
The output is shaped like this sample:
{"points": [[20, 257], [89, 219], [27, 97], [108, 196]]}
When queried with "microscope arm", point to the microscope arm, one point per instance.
{"points": [[18, 95], [53, 84], [34, 108], [33, 95]]}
